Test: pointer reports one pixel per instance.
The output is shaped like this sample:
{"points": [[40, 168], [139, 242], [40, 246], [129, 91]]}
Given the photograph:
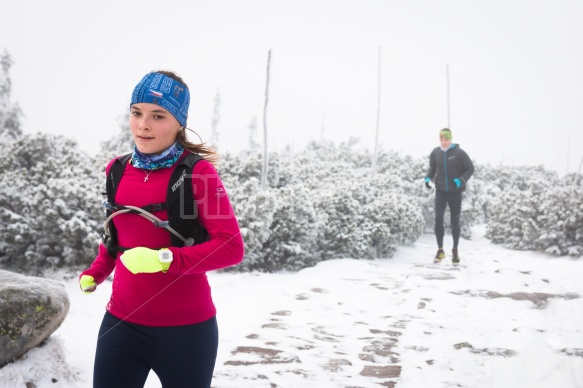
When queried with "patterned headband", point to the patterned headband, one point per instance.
{"points": [[159, 89]]}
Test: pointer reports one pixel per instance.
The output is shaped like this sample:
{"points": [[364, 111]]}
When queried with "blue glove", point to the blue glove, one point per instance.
{"points": [[457, 182], [427, 181]]}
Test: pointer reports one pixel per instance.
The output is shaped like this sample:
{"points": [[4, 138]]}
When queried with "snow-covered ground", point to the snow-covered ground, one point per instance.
{"points": [[502, 319]]}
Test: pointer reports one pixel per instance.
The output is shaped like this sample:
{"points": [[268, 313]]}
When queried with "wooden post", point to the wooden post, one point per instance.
{"points": [[376, 141], [448, 111], [578, 172], [265, 149]]}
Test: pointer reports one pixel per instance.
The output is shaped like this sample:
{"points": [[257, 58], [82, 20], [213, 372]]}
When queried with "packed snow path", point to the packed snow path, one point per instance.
{"points": [[501, 319]]}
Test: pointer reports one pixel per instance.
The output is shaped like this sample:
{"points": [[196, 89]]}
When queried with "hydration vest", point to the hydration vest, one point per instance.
{"points": [[182, 214]]}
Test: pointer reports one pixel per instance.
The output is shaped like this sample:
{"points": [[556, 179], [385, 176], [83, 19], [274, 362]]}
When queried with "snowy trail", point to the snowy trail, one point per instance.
{"points": [[502, 319], [407, 322]]}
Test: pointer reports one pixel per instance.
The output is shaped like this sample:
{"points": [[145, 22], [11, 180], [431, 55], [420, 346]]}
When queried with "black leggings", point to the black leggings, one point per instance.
{"points": [[181, 356], [454, 200]]}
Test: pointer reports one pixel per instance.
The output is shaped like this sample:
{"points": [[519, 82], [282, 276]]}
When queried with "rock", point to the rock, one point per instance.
{"points": [[385, 371], [31, 309]]}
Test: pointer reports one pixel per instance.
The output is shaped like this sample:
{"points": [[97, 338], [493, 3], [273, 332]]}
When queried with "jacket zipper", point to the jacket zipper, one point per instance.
{"points": [[445, 170]]}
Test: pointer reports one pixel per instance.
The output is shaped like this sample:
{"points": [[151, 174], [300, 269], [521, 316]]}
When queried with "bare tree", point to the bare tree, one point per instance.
{"points": [[10, 113], [253, 145], [578, 172], [376, 140], [265, 151], [216, 119], [447, 85]]}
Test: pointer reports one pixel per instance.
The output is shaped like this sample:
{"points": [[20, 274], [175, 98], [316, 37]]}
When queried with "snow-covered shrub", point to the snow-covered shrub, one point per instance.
{"points": [[389, 217], [235, 169], [292, 243], [49, 205], [391, 220], [360, 214], [543, 214], [362, 210], [255, 210], [323, 202], [341, 217]]}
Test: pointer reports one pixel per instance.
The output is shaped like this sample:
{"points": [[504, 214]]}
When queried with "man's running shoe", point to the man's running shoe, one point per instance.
{"points": [[455, 259], [439, 256]]}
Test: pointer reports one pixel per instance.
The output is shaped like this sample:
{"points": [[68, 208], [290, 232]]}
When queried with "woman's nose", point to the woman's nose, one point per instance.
{"points": [[144, 125]]}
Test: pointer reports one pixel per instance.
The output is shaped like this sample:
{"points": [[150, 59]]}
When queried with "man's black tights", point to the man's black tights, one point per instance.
{"points": [[454, 200]]}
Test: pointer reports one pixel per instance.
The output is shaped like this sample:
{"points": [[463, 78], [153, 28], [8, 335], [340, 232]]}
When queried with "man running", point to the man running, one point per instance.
{"points": [[450, 168]]}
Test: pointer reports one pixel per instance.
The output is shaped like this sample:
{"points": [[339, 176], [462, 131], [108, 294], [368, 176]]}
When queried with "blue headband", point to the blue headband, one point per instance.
{"points": [[159, 89]]}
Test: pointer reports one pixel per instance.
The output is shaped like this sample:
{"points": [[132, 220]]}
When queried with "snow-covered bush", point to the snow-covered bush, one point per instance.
{"points": [[279, 223], [389, 221], [49, 204], [294, 231], [541, 212], [323, 202], [341, 216], [255, 210]]}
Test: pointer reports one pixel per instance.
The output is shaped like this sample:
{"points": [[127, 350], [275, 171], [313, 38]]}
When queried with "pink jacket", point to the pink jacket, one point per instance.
{"points": [[181, 296]]}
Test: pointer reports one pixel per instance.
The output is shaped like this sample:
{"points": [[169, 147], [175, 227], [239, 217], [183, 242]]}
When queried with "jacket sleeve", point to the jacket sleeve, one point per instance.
{"points": [[102, 266], [467, 167], [432, 166], [224, 247]]}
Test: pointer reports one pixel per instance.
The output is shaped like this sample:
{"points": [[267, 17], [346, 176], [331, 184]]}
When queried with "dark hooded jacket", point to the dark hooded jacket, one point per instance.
{"points": [[445, 166]]}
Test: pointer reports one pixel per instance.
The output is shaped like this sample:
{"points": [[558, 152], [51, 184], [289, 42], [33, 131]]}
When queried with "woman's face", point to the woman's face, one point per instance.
{"points": [[154, 129]]}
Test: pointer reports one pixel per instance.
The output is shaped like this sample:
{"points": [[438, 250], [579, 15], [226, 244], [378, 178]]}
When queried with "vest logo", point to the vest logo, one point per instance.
{"points": [[179, 181]]}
